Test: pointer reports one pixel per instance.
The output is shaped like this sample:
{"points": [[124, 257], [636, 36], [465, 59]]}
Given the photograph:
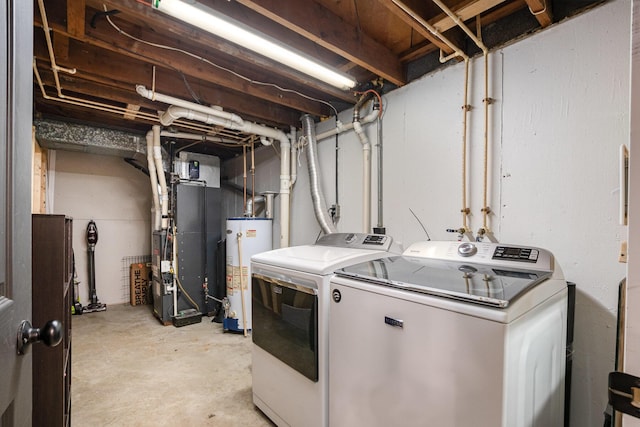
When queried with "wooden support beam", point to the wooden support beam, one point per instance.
{"points": [[541, 9], [75, 17], [61, 46], [470, 10]]}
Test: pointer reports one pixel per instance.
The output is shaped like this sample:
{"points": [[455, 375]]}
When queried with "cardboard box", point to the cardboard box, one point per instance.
{"points": [[139, 277]]}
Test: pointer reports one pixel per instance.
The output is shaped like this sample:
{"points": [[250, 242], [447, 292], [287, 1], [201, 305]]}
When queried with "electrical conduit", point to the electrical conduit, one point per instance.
{"points": [[317, 196]]}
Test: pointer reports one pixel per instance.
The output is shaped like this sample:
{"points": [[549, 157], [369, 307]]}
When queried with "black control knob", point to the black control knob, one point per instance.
{"points": [[50, 334]]}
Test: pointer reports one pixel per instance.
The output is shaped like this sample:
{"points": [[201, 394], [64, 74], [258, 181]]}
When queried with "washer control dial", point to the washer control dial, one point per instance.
{"points": [[467, 249]]}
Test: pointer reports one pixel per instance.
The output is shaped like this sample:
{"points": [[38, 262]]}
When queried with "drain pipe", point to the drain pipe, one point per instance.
{"points": [[294, 156], [366, 163], [157, 157], [341, 128], [380, 229], [317, 196], [153, 176]]}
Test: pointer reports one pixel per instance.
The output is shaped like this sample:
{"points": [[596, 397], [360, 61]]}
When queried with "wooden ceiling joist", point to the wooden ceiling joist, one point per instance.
{"points": [[331, 32]]}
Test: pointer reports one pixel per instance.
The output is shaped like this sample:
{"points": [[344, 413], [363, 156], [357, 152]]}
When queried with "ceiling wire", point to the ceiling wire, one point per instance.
{"points": [[220, 67]]}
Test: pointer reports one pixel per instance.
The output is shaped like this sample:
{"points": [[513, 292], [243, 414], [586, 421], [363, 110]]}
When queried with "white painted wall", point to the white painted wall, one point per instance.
{"points": [[632, 338], [117, 197], [561, 111]]}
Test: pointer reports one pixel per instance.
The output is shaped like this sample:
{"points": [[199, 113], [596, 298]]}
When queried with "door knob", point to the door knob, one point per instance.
{"points": [[50, 334]]}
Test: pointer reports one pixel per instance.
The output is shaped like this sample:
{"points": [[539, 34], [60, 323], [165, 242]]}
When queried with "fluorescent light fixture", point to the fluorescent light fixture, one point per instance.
{"points": [[211, 21]]}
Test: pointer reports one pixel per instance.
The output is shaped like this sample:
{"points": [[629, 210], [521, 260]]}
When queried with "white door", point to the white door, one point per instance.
{"points": [[16, 47]]}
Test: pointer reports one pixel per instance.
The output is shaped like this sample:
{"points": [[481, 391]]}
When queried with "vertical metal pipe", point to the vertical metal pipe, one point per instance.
{"points": [[317, 196]]}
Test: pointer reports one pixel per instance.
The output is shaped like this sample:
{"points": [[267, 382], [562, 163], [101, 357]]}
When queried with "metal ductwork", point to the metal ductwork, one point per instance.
{"points": [[56, 135], [317, 196]]}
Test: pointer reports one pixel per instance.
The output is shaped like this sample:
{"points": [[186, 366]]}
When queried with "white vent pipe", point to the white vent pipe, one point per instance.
{"points": [[317, 196], [356, 125], [366, 177], [174, 112], [157, 157], [341, 128], [231, 121], [167, 99], [154, 182]]}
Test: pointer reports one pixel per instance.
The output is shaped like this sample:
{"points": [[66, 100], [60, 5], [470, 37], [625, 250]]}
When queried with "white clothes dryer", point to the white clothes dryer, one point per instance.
{"points": [[290, 305]]}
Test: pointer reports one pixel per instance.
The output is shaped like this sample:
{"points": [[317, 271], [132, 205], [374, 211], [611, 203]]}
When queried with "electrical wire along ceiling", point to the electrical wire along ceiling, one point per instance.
{"points": [[300, 57]]}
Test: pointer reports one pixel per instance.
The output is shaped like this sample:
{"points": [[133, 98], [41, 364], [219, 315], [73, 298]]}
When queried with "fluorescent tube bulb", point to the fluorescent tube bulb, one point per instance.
{"points": [[211, 21]]}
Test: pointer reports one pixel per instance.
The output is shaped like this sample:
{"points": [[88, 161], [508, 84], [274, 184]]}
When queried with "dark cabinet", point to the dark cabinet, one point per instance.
{"points": [[52, 269]]}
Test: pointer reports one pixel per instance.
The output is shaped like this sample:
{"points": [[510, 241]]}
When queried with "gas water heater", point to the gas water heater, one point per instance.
{"points": [[245, 238]]}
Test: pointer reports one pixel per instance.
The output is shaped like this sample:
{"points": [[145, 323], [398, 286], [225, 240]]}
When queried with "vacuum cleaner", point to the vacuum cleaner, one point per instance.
{"points": [[76, 307], [92, 239]]}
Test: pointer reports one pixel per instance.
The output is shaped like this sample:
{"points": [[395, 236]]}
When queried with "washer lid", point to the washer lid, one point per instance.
{"points": [[494, 286], [315, 259]]}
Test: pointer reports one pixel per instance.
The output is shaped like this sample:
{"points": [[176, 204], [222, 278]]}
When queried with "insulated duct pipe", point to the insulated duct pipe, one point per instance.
{"points": [[366, 163], [157, 157], [153, 176], [319, 204], [167, 99]]}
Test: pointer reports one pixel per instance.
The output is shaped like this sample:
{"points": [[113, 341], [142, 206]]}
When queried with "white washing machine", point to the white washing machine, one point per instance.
{"points": [[290, 304], [449, 334]]}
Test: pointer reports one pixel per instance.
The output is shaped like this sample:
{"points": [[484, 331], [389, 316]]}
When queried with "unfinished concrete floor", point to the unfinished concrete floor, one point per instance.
{"points": [[129, 370]]}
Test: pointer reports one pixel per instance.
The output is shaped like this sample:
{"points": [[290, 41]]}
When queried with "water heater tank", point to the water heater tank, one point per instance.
{"points": [[245, 238]]}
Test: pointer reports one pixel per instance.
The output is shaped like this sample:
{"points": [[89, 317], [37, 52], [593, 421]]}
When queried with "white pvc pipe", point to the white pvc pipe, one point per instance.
{"points": [[294, 156], [285, 188], [366, 176], [174, 288], [244, 309], [157, 157], [153, 176], [433, 30], [197, 137], [167, 99], [174, 112], [341, 128], [461, 24]]}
